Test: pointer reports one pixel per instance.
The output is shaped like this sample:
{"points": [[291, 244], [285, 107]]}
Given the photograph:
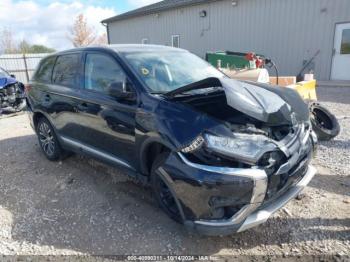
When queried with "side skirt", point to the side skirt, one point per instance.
{"points": [[84, 149]]}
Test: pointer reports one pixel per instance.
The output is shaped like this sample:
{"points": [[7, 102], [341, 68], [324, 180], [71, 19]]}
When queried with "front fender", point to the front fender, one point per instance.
{"points": [[171, 124], [180, 125], [144, 141]]}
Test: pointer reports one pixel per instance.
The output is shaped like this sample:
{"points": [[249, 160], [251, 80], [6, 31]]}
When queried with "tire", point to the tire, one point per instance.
{"points": [[48, 141], [324, 123], [162, 193]]}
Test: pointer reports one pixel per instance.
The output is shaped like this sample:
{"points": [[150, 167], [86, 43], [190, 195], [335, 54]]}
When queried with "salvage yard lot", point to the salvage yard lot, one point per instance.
{"points": [[80, 206]]}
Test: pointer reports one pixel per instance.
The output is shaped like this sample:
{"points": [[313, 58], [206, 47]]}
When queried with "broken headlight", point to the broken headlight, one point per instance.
{"points": [[244, 147], [196, 144]]}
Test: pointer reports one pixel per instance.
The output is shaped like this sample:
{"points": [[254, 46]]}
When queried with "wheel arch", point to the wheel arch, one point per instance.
{"points": [[150, 149], [36, 117], [40, 114]]}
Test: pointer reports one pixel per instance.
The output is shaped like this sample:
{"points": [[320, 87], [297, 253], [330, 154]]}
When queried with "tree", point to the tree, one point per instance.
{"points": [[81, 34], [9, 46], [101, 39], [24, 47], [36, 49], [7, 42]]}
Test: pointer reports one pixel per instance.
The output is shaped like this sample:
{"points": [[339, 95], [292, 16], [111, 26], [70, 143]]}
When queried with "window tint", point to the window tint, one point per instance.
{"points": [[45, 70], [101, 71], [66, 70]]}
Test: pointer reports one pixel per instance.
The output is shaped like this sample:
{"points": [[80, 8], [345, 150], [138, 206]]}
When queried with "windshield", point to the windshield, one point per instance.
{"points": [[163, 72], [3, 73]]}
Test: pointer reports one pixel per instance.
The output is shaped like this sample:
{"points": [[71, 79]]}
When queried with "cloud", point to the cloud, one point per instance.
{"points": [[48, 24], [139, 3]]}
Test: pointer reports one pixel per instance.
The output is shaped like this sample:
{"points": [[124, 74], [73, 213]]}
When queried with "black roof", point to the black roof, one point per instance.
{"points": [[122, 48], [154, 8]]}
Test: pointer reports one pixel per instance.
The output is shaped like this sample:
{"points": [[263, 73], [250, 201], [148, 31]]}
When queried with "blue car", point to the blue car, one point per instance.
{"points": [[12, 98]]}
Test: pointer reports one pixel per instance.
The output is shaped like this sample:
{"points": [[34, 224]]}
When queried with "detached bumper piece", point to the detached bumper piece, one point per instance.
{"points": [[251, 215], [260, 216]]}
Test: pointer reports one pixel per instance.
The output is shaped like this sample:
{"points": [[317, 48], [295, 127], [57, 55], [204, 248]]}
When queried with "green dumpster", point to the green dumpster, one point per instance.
{"points": [[230, 60]]}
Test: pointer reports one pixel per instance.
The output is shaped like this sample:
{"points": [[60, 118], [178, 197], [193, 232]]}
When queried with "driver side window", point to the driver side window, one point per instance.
{"points": [[100, 71]]}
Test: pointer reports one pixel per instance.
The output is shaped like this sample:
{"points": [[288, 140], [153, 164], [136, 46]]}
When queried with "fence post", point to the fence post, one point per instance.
{"points": [[26, 67]]}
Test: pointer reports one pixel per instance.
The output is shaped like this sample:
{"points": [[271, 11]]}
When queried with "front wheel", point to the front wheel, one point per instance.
{"points": [[162, 192]]}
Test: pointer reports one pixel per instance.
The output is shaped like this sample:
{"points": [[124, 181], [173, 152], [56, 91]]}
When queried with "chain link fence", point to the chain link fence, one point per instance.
{"points": [[21, 65]]}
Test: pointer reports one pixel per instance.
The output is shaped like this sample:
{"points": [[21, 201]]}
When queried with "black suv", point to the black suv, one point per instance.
{"points": [[221, 155]]}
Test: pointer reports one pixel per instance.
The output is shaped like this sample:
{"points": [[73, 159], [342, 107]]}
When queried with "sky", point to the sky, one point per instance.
{"points": [[47, 22]]}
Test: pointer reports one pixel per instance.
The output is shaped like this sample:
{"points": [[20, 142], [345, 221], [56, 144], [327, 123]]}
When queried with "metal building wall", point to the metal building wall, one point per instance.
{"points": [[288, 31]]}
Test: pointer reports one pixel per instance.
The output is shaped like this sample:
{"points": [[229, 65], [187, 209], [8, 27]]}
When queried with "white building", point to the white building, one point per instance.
{"points": [[288, 31]]}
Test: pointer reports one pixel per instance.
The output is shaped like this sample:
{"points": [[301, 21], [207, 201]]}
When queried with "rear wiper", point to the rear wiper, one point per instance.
{"points": [[205, 83]]}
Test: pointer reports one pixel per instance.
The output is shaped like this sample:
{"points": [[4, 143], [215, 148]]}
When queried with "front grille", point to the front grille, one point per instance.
{"points": [[279, 184]]}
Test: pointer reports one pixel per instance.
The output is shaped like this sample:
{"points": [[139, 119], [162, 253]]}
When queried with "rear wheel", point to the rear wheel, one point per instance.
{"points": [[162, 192], [324, 123], [48, 140]]}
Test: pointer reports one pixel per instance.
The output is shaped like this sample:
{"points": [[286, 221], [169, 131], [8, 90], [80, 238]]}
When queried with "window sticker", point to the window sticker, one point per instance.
{"points": [[144, 71]]}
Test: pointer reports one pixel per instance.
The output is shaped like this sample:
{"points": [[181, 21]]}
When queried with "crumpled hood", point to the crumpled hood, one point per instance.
{"points": [[180, 119], [271, 105], [4, 81]]}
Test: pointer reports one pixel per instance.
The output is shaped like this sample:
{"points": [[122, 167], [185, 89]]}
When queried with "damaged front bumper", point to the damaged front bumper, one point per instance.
{"points": [[195, 185], [252, 214], [261, 215]]}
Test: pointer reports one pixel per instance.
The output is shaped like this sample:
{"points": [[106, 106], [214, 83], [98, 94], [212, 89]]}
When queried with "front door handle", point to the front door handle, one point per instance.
{"points": [[83, 107], [47, 98]]}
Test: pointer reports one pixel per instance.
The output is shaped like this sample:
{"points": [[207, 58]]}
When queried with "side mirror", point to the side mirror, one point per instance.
{"points": [[13, 76], [120, 90]]}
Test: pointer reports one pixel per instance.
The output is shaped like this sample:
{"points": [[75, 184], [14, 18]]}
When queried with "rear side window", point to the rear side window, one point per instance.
{"points": [[66, 70], [45, 70]]}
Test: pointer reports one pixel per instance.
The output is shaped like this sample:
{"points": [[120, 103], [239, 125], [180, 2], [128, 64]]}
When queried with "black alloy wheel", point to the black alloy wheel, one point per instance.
{"points": [[162, 192]]}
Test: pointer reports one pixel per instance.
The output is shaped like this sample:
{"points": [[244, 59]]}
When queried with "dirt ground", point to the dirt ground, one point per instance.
{"points": [[80, 206]]}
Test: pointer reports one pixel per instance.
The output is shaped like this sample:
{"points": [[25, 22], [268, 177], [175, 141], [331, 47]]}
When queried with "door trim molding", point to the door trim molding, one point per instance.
{"points": [[96, 152]]}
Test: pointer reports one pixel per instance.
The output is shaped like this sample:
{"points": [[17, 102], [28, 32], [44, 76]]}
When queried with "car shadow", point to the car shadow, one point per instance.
{"points": [[331, 183], [83, 205], [331, 94], [336, 143], [5, 114]]}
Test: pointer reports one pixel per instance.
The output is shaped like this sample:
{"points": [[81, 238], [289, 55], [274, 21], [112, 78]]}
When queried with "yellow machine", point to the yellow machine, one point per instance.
{"points": [[306, 89]]}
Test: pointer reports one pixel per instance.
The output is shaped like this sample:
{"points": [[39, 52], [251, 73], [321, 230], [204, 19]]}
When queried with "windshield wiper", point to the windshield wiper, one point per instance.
{"points": [[205, 83]]}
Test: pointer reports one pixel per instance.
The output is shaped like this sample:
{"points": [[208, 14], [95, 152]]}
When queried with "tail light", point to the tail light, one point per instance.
{"points": [[27, 88]]}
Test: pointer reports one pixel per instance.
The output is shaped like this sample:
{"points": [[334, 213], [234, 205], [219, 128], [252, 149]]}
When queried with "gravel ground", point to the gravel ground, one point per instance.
{"points": [[80, 206]]}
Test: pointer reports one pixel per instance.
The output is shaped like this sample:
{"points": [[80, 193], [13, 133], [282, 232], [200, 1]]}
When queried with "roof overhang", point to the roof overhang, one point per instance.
{"points": [[155, 8]]}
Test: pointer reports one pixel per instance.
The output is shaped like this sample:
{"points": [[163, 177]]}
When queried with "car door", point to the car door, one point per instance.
{"points": [[109, 123], [62, 96], [341, 55]]}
